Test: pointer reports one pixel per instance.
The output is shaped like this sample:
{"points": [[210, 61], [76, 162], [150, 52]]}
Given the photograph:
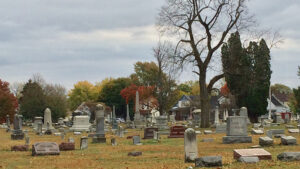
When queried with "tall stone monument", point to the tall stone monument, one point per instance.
{"points": [[127, 114], [244, 112], [237, 130], [114, 120], [190, 145], [217, 121], [137, 116], [99, 137], [47, 119], [17, 133]]}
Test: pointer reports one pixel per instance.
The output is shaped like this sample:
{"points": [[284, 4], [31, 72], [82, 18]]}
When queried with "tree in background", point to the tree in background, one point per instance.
{"points": [[83, 91], [33, 100], [247, 73], [110, 95], [201, 28], [56, 100], [16, 88], [295, 101], [8, 102], [299, 71]]}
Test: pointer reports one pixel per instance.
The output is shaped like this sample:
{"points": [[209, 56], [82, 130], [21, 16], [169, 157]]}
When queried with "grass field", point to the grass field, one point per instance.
{"points": [[166, 154]]}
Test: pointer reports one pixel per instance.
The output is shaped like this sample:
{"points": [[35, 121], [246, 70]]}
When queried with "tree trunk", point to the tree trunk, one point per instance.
{"points": [[204, 99]]}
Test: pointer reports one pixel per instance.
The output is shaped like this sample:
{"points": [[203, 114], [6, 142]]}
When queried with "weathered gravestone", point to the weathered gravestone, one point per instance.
{"points": [[66, 146], [209, 161], [148, 133], [237, 130], [83, 143], [177, 132], [221, 128], [71, 140], [48, 119], [266, 141], [39, 128], [99, 137], [113, 141], [190, 145], [7, 123], [256, 152], [81, 123], [17, 133], [289, 156], [136, 140], [272, 132], [162, 122], [45, 148], [48, 131], [288, 140], [36, 121]]}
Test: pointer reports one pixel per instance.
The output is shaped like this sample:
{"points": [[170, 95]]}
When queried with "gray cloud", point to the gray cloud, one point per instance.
{"points": [[71, 40]]}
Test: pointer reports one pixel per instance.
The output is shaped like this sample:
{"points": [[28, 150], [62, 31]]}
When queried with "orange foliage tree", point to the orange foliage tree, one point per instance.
{"points": [[225, 90], [145, 93], [8, 102]]}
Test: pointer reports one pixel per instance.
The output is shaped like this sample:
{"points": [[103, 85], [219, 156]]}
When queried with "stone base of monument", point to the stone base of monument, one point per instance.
{"points": [[99, 138], [139, 124], [237, 139], [17, 135]]}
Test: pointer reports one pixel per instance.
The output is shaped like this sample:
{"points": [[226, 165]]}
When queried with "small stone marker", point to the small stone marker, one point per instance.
{"points": [[71, 140], [289, 126], [257, 132], [27, 140], [20, 148], [177, 132], [62, 136], [248, 159], [155, 135], [288, 140], [84, 143], [190, 145], [293, 130], [136, 140], [45, 148], [135, 153], [237, 130], [208, 140], [67, 146], [279, 135], [256, 152], [113, 142], [207, 132], [266, 141], [209, 161], [272, 132], [221, 128], [39, 128], [77, 133], [289, 156]]}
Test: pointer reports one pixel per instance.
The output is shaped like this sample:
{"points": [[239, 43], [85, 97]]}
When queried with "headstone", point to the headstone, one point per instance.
{"points": [[127, 114], [136, 140], [177, 132], [156, 135], [135, 153], [84, 143], [256, 152], [221, 128], [288, 140], [190, 145], [77, 133], [266, 141], [208, 140], [60, 121], [62, 136], [99, 137], [257, 132], [248, 159], [278, 118], [286, 118], [81, 123], [217, 120], [39, 128], [66, 146], [114, 120], [138, 121], [71, 140], [172, 118], [36, 121], [208, 132], [237, 130], [209, 161], [113, 141], [272, 132], [120, 132], [48, 119], [27, 140], [45, 148], [20, 148], [48, 130], [149, 132], [162, 122], [293, 130], [289, 156], [17, 133]]}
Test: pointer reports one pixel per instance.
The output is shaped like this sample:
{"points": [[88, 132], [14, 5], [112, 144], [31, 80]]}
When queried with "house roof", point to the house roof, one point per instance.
{"points": [[193, 98]]}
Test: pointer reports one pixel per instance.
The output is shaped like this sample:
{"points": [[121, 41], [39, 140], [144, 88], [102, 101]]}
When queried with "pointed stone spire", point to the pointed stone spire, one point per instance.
{"points": [[127, 114]]}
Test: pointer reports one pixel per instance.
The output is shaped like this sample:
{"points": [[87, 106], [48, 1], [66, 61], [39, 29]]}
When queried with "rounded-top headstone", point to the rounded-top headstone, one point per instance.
{"points": [[243, 111], [99, 107], [47, 110]]}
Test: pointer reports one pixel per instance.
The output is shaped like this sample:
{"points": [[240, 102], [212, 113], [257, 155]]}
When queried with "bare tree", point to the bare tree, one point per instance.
{"points": [[16, 88], [200, 27]]}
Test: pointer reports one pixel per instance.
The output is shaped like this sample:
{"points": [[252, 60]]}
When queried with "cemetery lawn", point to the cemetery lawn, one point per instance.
{"points": [[165, 154]]}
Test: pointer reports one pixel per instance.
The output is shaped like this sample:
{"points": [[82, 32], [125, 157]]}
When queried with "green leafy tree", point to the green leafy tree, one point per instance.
{"points": [[33, 100], [8, 102], [110, 94], [296, 100]]}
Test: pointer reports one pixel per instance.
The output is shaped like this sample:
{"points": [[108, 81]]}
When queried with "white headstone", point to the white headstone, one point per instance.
{"points": [[190, 145]]}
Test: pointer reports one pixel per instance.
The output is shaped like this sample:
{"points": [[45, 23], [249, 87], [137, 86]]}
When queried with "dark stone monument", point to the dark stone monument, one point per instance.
{"points": [[148, 133], [20, 148], [45, 148], [67, 146], [135, 153], [99, 136], [17, 133], [177, 132]]}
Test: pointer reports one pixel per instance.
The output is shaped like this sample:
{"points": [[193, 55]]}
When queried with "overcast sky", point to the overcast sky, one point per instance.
{"points": [[72, 40]]}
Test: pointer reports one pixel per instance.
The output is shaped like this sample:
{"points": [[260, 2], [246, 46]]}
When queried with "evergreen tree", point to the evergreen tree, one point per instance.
{"points": [[32, 102], [248, 73]]}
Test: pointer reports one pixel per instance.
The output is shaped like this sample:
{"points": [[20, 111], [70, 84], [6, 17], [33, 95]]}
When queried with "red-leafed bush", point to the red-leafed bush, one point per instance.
{"points": [[8, 102]]}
